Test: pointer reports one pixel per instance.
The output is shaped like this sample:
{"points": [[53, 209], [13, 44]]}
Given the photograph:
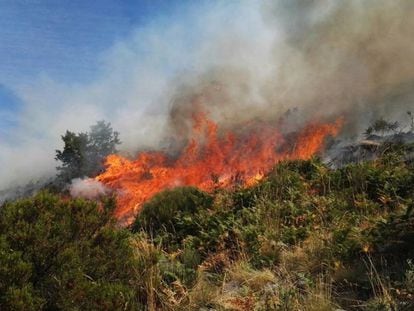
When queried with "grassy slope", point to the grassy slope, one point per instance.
{"points": [[306, 238]]}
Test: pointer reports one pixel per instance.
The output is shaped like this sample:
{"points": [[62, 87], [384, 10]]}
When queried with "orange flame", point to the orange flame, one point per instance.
{"points": [[209, 161]]}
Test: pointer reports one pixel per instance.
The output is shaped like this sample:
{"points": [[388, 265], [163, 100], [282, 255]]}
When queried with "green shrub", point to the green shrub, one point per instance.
{"points": [[63, 254], [171, 211]]}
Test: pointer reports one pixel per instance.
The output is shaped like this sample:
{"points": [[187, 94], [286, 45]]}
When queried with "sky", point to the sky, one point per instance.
{"points": [[69, 63], [65, 64], [63, 39]]}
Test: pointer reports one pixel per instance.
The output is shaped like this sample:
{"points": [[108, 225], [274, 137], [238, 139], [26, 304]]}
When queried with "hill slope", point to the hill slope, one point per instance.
{"points": [[307, 237]]}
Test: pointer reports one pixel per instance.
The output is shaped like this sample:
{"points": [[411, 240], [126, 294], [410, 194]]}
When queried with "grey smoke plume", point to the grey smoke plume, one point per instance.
{"points": [[328, 58], [354, 57], [238, 60]]}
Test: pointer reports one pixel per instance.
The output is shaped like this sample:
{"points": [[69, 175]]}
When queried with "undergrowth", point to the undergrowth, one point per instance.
{"points": [[307, 237]]}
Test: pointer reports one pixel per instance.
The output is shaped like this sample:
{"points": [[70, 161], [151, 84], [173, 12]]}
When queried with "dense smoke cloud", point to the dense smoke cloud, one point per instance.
{"points": [[328, 58], [319, 58], [355, 56]]}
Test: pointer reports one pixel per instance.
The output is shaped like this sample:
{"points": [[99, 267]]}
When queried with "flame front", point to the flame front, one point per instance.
{"points": [[209, 161]]}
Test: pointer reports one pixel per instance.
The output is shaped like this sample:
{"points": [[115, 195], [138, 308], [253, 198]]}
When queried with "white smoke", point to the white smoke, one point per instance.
{"points": [[87, 188]]}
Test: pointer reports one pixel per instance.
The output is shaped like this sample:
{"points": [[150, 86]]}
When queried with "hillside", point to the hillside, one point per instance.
{"points": [[307, 237]]}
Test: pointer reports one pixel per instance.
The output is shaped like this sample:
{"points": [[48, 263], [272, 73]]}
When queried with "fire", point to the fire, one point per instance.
{"points": [[210, 160]]}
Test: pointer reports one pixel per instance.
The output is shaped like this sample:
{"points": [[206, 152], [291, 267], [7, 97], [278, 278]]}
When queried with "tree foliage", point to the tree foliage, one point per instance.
{"points": [[381, 126], [73, 156], [83, 153]]}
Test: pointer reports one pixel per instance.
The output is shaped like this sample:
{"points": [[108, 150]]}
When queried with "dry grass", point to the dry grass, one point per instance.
{"points": [[311, 256], [243, 289]]}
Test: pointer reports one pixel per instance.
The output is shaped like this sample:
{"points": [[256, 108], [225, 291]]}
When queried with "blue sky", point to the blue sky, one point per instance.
{"points": [[62, 39], [65, 64]]}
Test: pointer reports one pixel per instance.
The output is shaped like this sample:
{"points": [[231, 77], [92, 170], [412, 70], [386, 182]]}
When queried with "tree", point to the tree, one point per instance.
{"points": [[83, 154], [381, 126], [73, 156], [411, 116], [102, 142]]}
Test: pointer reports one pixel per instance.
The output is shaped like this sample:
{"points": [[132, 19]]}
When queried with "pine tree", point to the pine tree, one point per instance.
{"points": [[73, 156], [83, 154]]}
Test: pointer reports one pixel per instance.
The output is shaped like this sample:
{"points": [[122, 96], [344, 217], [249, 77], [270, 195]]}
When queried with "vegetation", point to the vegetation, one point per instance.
{"points": [[307, 237], [83, 153], [59, 254], [383, 127]]}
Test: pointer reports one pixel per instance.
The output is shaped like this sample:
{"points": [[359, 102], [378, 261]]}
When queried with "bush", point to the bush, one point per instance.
{"points": [[63, 254], [171, 211]]}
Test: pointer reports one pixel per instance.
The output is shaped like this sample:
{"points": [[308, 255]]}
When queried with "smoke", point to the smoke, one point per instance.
{"points": [[87, 188], [238, 60], [354, 57], [327, 58]]}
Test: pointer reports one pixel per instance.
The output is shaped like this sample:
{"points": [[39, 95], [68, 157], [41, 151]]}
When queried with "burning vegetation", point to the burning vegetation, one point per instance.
{"points": [[304, 235], [212, 159]]}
